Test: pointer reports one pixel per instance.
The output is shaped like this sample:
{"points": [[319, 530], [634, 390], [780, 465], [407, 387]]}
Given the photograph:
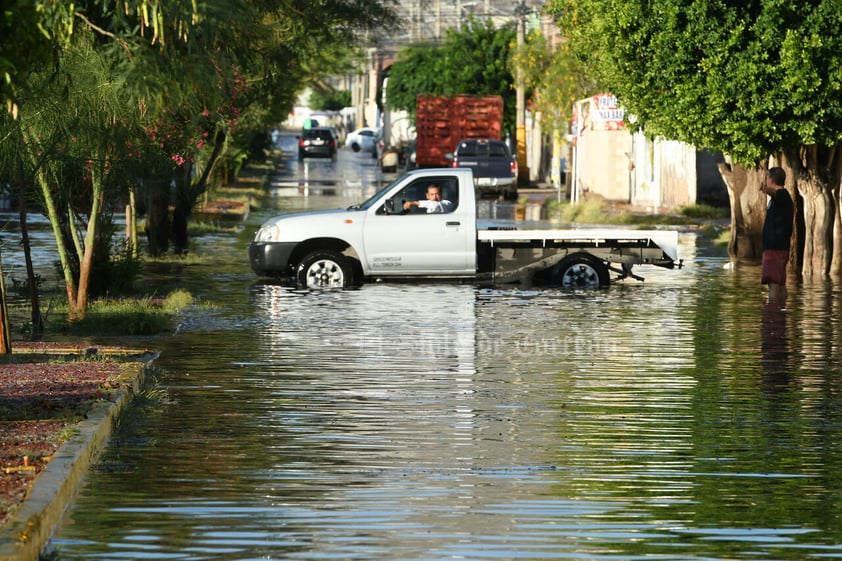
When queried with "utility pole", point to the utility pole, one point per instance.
{"points": [[520, 108], [438, 22]]}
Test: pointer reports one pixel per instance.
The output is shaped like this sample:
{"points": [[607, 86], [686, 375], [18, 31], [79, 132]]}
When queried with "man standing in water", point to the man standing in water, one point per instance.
{"points": [[777, 231]]}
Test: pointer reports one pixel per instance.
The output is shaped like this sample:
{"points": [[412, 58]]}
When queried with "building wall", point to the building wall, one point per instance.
{"points": [[677, 173], [606, 169]]}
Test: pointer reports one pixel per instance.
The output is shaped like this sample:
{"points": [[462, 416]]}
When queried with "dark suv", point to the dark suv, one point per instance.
{"points": [[317, 142]]}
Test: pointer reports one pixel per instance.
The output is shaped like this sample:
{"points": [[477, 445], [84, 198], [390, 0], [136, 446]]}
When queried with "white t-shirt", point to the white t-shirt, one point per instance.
{"points": [[434, 207]]}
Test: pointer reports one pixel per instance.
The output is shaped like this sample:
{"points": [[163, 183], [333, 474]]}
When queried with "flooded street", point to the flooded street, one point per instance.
{"points": [[676, 418]]}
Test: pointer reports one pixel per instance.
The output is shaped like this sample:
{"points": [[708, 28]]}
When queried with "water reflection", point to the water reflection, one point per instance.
{"points": [[774, 344], [676, 418]]}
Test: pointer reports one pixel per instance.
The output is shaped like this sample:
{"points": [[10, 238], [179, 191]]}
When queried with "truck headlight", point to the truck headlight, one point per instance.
{"points": [[268, 233]]}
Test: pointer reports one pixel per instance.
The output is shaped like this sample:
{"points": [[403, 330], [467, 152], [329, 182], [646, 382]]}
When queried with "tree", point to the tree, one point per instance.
{"points": [[473, 60], [755, 79], [329, 99], [553, 76], [138, 95], [74, 141], [215, 66]]}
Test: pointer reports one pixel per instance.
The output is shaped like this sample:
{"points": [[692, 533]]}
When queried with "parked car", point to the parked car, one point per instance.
{"points": [[320, 141], [494, 167], [363, 140]]}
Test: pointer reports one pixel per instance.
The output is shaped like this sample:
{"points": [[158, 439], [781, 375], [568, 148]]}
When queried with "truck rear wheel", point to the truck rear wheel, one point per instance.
{"points": [[325, 268], [581, 271]]}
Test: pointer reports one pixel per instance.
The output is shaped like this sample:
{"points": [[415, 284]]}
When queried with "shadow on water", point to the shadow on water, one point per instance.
{"points": [[678, 418]]}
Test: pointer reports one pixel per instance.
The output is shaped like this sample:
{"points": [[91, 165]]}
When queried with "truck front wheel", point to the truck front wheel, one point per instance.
{"points": [[581, 271], [325, 269]]}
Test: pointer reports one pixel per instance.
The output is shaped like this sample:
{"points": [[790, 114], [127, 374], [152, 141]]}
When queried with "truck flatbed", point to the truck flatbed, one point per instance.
{"points": [[665, 240]]}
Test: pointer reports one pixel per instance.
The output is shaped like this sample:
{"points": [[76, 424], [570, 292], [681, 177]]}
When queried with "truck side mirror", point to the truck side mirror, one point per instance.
{"points": [[393, 206], [449, 156]]}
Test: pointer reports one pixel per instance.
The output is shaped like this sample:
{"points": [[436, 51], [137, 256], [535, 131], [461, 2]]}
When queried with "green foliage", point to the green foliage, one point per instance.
{"points": [[746, 78], [474, 60], [553, 77], [719, 235], [29, 31], [115, 272], [330, 100], [415, 72]]}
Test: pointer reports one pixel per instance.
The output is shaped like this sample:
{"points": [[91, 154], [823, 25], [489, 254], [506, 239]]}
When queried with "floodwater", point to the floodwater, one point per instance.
{"points": [[676, 418]]}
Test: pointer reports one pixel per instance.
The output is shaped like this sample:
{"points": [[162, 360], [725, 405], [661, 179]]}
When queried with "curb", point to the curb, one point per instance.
{"points": [[26, 534]]}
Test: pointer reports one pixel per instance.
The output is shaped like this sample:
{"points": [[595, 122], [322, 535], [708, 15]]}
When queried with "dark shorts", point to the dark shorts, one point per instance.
{"points": [[773, 270]]}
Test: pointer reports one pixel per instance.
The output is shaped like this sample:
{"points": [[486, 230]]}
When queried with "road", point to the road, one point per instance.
{"points": [[352, 174]]}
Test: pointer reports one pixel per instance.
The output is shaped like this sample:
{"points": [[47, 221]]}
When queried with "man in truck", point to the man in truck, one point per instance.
{"points": [[433, 203]]}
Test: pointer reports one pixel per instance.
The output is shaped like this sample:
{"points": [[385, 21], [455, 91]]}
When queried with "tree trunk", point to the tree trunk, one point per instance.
{"points": [[808, 170], [32, 284], [158, 219], [187, 193], [5, 336], [55, 222], [748, 211], [131, 224], [86, 259], [181, 212], [836, 236], [818, 223]]}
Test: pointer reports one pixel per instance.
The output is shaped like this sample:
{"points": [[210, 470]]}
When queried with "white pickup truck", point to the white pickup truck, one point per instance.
{"points": [[379, 239]]}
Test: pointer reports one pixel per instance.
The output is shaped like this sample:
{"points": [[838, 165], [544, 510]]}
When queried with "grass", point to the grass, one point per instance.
{"points": [[703, 211], [128, 316], [199, 227], [240, 194], [68, 432], [153, 397]]}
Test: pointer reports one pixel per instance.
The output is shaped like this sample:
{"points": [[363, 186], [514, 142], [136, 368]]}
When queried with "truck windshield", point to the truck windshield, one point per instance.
{"points": [[374, 199]]}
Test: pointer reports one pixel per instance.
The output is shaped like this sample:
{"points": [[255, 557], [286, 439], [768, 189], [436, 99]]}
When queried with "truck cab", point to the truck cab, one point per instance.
{"points": [[413, 241], [379, 237]]}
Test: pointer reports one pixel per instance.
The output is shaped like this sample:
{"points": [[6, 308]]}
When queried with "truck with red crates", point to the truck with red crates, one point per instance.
{"points": [[442, 121]]}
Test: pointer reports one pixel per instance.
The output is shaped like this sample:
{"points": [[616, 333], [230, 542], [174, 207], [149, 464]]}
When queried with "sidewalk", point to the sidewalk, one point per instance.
{"points": [[49, 492]]}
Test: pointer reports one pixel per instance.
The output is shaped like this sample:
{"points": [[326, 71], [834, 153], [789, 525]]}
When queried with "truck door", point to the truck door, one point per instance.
{"points": [[417, 242]]}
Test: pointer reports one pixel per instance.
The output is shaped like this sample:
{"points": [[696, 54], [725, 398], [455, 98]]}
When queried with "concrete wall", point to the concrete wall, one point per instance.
{"points": [[608, 171], [677, 173]]}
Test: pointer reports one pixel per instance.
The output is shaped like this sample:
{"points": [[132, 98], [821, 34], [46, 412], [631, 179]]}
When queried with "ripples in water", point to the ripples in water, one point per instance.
{"points": [[677, 418]]}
